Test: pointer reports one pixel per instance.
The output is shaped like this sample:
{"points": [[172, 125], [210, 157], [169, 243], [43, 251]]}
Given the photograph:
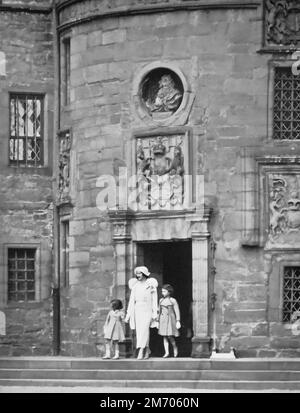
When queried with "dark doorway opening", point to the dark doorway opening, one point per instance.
{"points": [[171, 263]]}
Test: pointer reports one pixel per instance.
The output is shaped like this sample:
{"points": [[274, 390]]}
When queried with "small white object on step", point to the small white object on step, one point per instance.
{"points": [[2, 324], [223, 356]]}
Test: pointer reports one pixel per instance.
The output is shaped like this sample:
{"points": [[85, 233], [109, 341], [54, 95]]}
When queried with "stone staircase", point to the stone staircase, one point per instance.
{"points": [[155, 373]]}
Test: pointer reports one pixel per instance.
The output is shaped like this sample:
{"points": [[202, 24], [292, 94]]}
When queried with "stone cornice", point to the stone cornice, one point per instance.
{"points": [[201, 3], [14, 8], [89, 10]]}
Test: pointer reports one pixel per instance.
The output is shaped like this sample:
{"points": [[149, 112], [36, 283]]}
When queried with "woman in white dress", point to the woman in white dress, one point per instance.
{"points": [[142, 308]]}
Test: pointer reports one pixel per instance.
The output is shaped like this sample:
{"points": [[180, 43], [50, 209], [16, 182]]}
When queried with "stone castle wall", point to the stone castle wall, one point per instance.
{"points": [[26, 203], [216, 51]]}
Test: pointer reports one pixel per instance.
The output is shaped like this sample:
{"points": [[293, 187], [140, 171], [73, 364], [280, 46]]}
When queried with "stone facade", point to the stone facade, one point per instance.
{"points": [[26, 201], [218, 111]]}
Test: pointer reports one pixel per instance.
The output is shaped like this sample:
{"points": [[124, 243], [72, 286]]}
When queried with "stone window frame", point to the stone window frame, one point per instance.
{"points": [[279, 260], [64, 278], [38, 274], [65, 100], [47, 127], [291, 302], [275, 63], [25, 163], [178, 118]]}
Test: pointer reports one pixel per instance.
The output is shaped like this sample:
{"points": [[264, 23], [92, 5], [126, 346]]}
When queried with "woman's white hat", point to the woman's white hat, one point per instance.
{"points": [[143, 270]]}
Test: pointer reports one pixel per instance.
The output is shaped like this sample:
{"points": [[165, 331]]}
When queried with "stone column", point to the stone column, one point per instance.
{"points": [[121, 221], [200, 251]]}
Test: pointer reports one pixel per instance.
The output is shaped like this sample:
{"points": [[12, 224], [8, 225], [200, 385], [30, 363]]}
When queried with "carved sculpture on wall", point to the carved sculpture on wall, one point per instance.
{"points": [[162, 93], [282, 21], [160, 171], [284, 207], [64, 166], [167, 98]]}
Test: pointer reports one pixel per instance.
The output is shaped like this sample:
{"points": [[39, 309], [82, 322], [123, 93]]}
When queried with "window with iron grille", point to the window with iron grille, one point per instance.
{"points": [[291, 292], [21, 274], [286, 110], [26, 130]]}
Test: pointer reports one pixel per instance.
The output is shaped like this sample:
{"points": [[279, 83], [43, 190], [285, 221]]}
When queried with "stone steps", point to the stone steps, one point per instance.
{"points": [[71, 374], [159, 384], [155, 373], [150, 364]]}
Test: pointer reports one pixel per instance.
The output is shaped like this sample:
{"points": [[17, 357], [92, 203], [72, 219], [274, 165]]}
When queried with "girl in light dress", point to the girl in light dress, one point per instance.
{"points": [[113, 329], [169, 319]]}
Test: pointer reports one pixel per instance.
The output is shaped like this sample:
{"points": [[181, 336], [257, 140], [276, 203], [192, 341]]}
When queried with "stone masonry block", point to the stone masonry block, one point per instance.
{"points": [[244, 316], [251, 293], [77, 227], [114, 36], [79, 258]]}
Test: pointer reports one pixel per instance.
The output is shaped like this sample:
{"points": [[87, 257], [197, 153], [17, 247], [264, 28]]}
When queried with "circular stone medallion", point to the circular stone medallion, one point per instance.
{"points": [[161, 93]]}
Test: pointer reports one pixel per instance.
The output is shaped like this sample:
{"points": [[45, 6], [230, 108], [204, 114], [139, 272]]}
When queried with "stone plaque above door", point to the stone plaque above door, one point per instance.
{"points": [[162, 170]]}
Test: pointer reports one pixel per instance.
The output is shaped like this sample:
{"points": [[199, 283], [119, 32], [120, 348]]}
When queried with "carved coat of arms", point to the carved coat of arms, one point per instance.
{"points": [[282, 22], [160, 171], [284, 207]]}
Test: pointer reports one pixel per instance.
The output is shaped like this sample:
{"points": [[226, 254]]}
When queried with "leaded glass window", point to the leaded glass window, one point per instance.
{"points": [[291, 292], [26, 130], [21, 274], [286, 111]]}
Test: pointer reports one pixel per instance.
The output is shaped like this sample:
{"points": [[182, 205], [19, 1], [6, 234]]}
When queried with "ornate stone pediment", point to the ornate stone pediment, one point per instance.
{"points": [[282, 22]]}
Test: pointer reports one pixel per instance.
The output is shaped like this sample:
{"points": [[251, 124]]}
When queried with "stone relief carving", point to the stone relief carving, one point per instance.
{"points": [[282, 20], [167, 98], [64, 166], [284, 207], [162, 93], [160, 171]]}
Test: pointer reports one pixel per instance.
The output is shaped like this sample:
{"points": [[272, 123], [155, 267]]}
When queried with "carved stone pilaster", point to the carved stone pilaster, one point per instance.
{"points": [[282, 26], [121, 223], [63, 184], [201, 295], [121, 233]]}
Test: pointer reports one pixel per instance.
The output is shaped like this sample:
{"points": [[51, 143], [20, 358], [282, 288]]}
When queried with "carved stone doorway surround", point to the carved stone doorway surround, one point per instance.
{"points": [[130, 228]]}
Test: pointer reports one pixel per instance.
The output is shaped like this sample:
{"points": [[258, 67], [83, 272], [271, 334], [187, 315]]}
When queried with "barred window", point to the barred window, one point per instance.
{"points": [[26, 130], [286, 111], [21, 274], [291, 292]]}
